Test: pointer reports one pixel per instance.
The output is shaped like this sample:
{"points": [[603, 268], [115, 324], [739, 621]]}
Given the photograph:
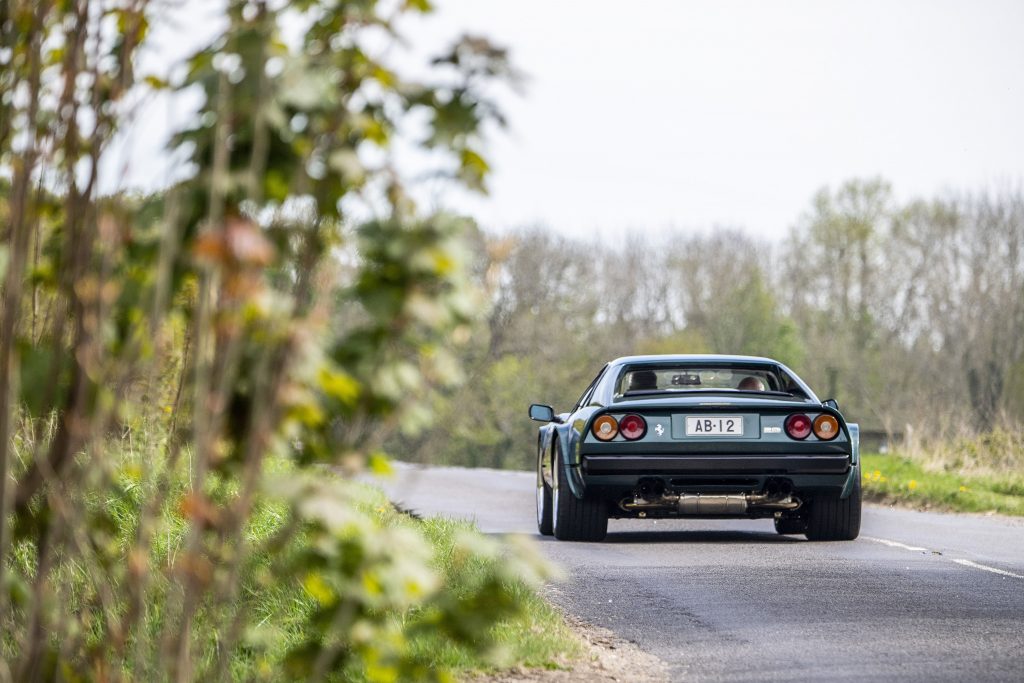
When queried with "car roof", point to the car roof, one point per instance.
{"points": [[692, 358]]}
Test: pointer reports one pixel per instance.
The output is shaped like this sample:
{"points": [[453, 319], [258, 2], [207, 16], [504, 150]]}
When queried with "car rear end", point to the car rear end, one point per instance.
{"points": [[711, 456]]}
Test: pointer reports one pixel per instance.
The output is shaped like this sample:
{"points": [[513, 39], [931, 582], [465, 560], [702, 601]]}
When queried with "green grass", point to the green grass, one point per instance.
{"points": [[281, 608], [900, 480], [537, 638]]}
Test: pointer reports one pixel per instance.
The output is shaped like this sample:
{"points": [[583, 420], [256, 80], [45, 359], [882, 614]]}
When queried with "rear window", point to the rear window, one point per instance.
{"points": [[647, 379]]}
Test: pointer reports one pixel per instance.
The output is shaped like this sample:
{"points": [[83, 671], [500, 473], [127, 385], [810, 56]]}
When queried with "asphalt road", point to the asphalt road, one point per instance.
{"points": [[919, 596]]}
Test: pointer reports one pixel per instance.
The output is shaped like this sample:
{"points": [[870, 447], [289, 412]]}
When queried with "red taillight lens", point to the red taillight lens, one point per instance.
{"points": [[826, 427], [798, 426], [632, 427], [605, 428]]}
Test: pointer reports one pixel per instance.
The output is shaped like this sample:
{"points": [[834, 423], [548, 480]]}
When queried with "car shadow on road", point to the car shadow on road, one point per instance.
{"points": [[701, 536]]}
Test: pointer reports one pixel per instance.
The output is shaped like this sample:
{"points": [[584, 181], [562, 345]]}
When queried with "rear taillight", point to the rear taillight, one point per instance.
{"points": [[605, 428], [632, 427], [798, 426], [826, 427]]}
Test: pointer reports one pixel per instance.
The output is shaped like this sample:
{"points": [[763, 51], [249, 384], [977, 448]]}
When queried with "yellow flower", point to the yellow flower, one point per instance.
{"points": [[911, 484], [963, 489], [318, 589]]}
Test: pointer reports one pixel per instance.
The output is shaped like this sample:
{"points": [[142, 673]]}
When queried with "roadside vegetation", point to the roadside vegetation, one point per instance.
{"points": [[449, 598], [188, 380], [923, 483]]}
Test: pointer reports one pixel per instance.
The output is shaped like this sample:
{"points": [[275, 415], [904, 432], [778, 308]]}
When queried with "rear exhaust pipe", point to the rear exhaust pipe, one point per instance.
{"points": [[650, 487], [700, 504], [778, 488], [707, 504]]}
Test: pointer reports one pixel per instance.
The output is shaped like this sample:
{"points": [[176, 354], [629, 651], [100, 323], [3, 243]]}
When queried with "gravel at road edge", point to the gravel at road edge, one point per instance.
{"points": [[606, 657]]}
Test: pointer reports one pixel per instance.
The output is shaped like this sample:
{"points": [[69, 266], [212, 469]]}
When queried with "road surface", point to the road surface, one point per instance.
{"points": [[919, 596]]}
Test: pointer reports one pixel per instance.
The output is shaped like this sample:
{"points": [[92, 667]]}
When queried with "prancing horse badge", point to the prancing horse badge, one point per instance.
{"points": [[659, 430]]}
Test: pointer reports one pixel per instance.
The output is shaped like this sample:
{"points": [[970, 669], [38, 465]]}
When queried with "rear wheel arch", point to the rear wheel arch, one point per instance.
{"points": [[546, 457], [544, 495], [549, 457]]}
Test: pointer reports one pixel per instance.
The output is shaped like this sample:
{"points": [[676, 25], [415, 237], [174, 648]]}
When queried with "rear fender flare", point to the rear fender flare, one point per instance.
{"points": [[545, 449], [854, 442], [568, 443], [854, 475]]}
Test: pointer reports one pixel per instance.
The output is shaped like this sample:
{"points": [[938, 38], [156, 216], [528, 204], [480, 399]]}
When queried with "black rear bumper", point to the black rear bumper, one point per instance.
{"points": [[598, 465]]}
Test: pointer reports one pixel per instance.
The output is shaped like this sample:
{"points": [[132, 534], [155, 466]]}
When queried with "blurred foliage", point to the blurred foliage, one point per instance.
{"points": [[183, 374]]}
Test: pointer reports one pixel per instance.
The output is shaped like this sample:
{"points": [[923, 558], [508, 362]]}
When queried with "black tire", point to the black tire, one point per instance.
{"points": [[575, 519], [789, 526], [544, 516], [833, 518]]}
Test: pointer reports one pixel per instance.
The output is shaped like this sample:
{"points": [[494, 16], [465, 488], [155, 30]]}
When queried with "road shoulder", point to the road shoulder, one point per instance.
{"points": [[607, 657]]}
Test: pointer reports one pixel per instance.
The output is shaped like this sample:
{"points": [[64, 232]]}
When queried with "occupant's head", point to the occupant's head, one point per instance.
{"points": [[641, 380], [751, 384]]}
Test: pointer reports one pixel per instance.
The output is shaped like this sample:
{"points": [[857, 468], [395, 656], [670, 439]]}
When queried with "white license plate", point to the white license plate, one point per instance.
{"points": [[714, 425]]}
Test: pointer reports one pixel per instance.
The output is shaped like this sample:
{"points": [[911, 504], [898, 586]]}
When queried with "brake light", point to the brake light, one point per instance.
{"points": [[605, 428], [826, 427], [798, 426], [632, 427]]}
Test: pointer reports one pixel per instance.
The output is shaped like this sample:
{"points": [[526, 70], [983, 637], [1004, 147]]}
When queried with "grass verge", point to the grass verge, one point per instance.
{"points": [[538, 638], [281, 606], [894, 479]]}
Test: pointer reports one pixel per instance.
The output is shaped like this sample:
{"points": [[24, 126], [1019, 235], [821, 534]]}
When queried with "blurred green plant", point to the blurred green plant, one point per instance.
{"points": [[177, 370]]}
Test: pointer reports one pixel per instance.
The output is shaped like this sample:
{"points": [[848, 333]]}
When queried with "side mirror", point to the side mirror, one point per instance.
{"points": [[830, 403], [542, 413]]}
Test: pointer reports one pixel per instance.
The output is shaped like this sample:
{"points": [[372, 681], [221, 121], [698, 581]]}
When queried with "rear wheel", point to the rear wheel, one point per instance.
{"points": [[544, 517], [835, 519], [575, 519]]}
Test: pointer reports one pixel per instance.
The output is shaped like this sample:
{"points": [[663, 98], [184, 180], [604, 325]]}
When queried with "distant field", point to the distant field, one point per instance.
{"points": [[899, 480]]}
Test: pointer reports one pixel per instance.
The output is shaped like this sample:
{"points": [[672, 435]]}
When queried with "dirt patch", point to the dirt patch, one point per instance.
{"points": [[606, 657]]}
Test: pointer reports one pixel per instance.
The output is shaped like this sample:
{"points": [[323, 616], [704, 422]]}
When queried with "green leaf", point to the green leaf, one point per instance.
{"points": [[156, 83], [380, 465], [340, 385], [473, 168]]}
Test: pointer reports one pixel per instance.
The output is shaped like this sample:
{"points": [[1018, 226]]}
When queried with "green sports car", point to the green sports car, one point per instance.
{"points": [[698, 436]]}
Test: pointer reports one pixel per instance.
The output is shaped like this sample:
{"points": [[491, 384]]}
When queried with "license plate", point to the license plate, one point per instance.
{"points": [[715, 425]]}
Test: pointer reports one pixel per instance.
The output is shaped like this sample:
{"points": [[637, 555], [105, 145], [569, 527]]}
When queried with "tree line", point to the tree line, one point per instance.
{"points": [[910, 314]]}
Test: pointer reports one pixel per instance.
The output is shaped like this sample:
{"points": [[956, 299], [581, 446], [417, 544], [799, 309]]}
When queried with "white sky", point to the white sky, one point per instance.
{"points": [[654, 114]]}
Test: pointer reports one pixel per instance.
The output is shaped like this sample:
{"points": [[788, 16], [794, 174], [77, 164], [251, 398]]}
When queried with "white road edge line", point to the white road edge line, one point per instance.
{"points": [[1001, 572], [895, 544]]}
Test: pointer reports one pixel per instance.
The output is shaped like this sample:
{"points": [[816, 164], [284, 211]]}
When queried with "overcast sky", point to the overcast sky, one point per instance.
{"points": [[658, 114]]}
